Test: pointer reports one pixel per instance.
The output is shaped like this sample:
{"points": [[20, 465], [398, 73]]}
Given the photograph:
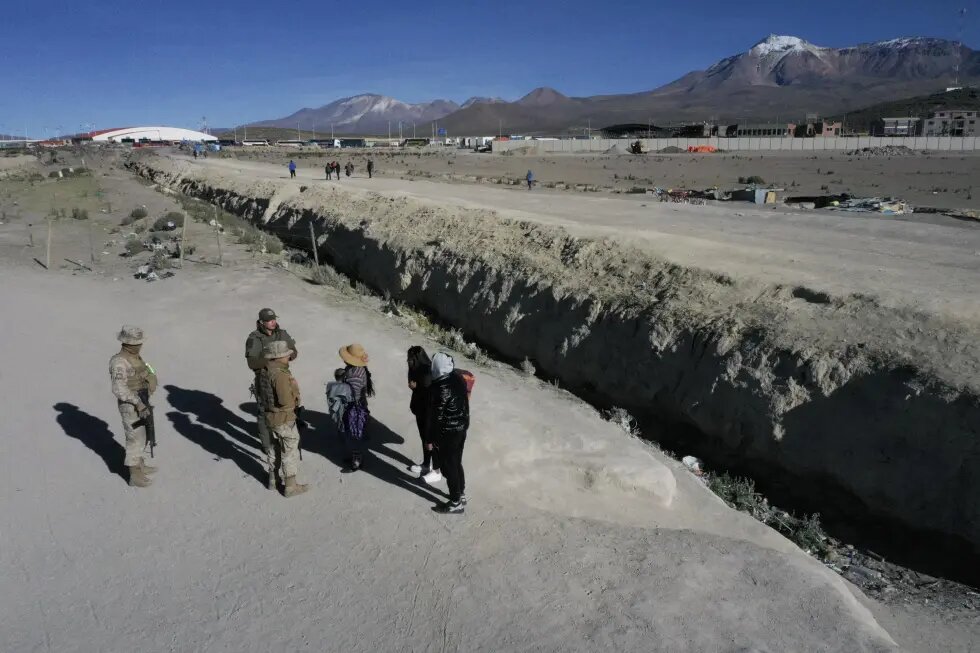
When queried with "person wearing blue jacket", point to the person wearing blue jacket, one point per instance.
{"points": [[292, 168]]}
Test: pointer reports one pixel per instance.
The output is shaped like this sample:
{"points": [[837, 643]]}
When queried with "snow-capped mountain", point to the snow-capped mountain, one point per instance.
{"points": [[780, 76], [789, 60], [481, 100], [365, 114]]}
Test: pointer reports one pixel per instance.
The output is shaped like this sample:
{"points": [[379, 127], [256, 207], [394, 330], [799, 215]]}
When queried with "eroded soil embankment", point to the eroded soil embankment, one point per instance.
{"points": [[844, 402]]}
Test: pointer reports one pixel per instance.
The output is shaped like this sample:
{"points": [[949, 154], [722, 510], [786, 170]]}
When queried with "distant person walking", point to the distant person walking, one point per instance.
{"points": [[449, 420], [370, 168], [326, 170], [292, 168], [419, 380], [358, 377], [336, 168], [530, 179], [349, 168]]}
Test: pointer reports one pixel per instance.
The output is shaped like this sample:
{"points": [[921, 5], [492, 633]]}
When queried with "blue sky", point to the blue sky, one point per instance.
{"points": [[113, 63]]}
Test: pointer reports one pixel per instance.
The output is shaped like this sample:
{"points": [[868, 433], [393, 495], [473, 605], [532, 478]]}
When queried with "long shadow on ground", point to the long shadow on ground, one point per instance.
{"points": [[94, 433], [209, 411], [324, 440]]}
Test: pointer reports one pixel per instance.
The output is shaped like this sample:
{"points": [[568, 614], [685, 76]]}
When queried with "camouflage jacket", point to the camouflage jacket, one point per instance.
{"points": [[256, 342], [130, 374], [285, 397]]}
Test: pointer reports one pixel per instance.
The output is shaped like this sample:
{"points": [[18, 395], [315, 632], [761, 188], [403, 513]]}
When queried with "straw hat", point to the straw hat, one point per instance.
{"points": [[354, 355]]}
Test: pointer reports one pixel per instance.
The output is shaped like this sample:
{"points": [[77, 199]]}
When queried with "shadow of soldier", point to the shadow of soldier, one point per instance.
{"points": [[94, 433], [211, 411], [324, 440], [216, 444], [212, 422]]}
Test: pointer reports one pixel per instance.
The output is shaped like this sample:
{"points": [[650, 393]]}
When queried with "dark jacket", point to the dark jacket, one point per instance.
{"points": [[420, 393], [449, 407]]}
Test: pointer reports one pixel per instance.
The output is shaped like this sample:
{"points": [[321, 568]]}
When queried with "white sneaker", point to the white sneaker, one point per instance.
{"points": [[433, 477], [418, 469]]}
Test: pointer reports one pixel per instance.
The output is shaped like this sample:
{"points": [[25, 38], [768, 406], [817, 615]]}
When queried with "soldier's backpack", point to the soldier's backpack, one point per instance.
{"points": [[470, 380]]}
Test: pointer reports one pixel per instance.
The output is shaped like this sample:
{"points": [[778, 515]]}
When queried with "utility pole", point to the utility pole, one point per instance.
{"points": [[314, 131], [389, 130], [297, 131], [500, 127], [413, 130]]}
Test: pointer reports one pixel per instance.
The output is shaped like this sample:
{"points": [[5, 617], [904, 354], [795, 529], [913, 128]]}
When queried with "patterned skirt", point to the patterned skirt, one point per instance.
{"points": [[355, 419]]}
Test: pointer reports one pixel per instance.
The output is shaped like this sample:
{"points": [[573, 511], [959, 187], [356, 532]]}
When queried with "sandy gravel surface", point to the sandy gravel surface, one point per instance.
{"points": [[904, 263], [576, 537], [942, 179]]}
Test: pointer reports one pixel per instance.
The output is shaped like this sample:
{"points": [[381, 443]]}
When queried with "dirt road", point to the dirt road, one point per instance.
{"points": [[905, 263], [576, 537]]}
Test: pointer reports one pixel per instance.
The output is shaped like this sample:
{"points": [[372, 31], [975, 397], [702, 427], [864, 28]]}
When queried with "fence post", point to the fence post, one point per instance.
{"points": [[316, 255], [91, 246], [217, 235], [47, 255], [183, 241]]}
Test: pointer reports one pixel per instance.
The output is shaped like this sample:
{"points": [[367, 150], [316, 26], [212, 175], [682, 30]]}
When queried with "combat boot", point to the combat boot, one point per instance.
{"points": [[293, 488], [147, 469], [137, 478]]}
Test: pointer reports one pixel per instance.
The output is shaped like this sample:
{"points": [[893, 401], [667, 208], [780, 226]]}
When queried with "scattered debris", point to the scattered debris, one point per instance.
{"points": [[885, 206], [884, 150], [693, 464], [819, 201], [85, 267]]}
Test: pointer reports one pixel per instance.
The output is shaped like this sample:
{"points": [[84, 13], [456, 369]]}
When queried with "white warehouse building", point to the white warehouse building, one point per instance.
{"points": [[154, 134]]}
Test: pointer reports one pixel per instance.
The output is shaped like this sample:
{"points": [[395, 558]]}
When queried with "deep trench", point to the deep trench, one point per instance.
{"points": [[843, 513]]}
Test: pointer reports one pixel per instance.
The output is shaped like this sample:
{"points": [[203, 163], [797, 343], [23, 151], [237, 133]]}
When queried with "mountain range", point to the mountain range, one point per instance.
{"points": [[779, 77]]}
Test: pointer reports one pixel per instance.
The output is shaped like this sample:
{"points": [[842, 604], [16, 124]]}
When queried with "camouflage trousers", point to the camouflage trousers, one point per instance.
{"points": [[286, 441], [265, 438], [135, 435]]}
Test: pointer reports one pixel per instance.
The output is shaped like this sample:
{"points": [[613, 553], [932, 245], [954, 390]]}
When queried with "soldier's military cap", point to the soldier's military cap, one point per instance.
{"points": [[267, 314], [130, 335]]}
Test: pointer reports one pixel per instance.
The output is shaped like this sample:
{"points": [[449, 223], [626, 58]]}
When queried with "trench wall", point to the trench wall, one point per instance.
{"points": [[867, 433]]}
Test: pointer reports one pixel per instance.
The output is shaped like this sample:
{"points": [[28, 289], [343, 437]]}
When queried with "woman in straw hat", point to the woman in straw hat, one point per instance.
{"points": [[358, 377]]}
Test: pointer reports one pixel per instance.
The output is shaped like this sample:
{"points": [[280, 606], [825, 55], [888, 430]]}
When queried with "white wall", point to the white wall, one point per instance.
{"points": [[754, 143]]}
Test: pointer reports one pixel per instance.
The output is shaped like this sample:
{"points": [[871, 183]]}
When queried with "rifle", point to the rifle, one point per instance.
{"points": [[147, 421], [301, 426]]}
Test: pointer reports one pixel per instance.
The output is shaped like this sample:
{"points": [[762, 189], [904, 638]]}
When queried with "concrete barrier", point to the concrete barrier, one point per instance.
{"points": [[751, 144]]}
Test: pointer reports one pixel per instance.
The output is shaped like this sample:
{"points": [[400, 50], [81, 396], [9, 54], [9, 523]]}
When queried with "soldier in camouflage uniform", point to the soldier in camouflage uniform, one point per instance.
{"points": [[266, 330], [280, 413], [131, 375]]}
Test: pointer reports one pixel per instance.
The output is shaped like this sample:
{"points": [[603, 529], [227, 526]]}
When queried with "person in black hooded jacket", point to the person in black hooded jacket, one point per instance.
{"points": [[449, 419], [419, 380]]}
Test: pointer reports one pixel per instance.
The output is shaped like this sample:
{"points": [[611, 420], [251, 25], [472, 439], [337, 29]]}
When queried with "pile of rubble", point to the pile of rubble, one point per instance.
{"points": [[883, 150]]}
